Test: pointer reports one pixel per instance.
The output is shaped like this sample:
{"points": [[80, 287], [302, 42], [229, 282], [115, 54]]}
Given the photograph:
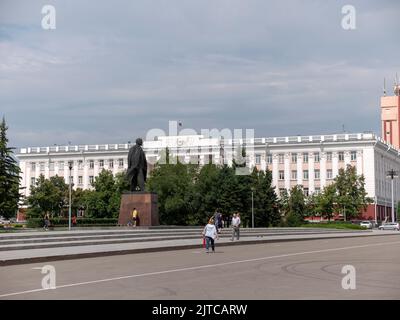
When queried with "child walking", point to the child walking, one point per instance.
{"points": [[210, 233]]}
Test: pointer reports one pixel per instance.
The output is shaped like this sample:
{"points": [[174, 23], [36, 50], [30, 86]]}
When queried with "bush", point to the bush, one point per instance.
{"points": [[80, 222]]}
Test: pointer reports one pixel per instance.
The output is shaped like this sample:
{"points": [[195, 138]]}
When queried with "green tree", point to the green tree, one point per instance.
{"points": [[47, 196], [104, 201], [266, 211], [325, 202], [173, 184], [351, 194], [293, 205], [9, 176]]}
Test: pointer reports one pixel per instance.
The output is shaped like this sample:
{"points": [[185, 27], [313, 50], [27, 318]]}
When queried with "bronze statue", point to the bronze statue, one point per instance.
{"points": [[137, 166]]}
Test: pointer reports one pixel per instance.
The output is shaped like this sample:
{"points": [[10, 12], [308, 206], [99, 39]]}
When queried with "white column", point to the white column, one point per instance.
{"points": [[287, 171], [299, 168], [347, 158], [75, 174], [66, 171], [47, 169], [359, 165], [37, 170], [23, 174], [96, 168], [85, 174], [264, 162], [322, 170], [56, 168], [311, 176], [335, 164], [275, 171]]}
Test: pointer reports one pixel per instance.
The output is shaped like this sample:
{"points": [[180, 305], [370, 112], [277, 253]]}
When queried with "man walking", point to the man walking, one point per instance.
{"points": [[235, 226]]}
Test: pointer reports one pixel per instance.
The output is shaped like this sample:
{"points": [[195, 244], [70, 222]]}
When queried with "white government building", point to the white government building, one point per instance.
{"points": [[310, 161]]}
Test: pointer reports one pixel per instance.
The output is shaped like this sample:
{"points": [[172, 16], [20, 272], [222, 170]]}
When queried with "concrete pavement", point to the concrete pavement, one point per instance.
{"points": [[43, 246], [282, 270]]}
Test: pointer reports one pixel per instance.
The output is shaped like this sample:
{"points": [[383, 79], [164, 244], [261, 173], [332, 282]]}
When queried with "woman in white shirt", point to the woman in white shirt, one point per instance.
{"points": [[210, 233]]}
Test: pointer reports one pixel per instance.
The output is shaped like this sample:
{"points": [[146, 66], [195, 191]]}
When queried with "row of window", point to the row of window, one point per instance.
{"points": [[293, 176], [281, 157], [306, 191], [71, 179], [61, 164]]}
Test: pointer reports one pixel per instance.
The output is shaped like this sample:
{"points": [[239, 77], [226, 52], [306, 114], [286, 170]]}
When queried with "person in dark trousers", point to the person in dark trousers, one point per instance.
{"points": [[210, 233], [46, 221], [235, 226]]}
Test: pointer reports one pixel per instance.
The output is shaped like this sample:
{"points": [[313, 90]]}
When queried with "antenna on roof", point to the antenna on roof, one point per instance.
{"points": [[384, 87]]}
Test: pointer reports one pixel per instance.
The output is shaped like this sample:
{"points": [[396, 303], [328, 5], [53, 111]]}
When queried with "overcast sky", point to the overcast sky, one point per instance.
{"points": [[112, 70]]}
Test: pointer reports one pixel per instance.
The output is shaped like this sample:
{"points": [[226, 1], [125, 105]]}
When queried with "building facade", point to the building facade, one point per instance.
{"points": [[310, 161]]}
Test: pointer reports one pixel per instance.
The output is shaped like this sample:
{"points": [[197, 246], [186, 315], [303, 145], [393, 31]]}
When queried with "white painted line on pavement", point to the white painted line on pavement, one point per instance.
{"points": [[199, 267]]}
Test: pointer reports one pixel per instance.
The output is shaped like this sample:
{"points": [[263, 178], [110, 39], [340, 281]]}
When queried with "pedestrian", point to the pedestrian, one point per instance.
{"points": [[235, 226], [46, 221], [210, 234], [135, 217], [74, 221], [219, 224]]}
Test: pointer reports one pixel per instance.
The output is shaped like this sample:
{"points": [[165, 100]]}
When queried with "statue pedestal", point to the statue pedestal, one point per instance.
{"points": [[146, 205]]}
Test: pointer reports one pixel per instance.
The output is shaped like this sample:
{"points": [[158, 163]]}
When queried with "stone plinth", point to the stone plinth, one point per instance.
{"points": [[146, 205]]}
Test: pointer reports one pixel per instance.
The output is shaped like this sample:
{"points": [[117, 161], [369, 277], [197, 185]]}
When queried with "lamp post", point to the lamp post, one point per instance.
{"points": [[392, 174], [70, 195], [252, 207]]}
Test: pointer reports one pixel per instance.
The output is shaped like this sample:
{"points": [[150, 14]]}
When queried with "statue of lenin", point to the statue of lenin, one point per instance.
{"points": [[137, 166]]}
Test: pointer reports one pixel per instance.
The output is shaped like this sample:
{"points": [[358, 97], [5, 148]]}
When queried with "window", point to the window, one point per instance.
{"points": [[317, 174], [294, 175], [91, 179], [305, 174], [269, 158], [258, 158], [294, 157], [80, 180], [80, 164], [341, 156], [42, 166], [33, 166], [329, 174], [91, 164], [316, 157], [121, 163], [33, 181], [353, 155], [281, 191], [51, 166], [101, 163], [305, 157], [61, 165], [281, 158], [329, 156], [317, 190], [281, 175], [111, 164], [306, 192]]}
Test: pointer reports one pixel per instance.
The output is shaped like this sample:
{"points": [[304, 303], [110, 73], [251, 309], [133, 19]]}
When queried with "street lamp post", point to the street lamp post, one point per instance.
{"points": [[70, 196], [252, 207], [392, 174]]}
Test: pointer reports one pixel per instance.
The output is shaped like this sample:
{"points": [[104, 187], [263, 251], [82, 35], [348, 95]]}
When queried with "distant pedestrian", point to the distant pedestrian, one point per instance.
{"points": [[46, 221], [135, 218], [210, 234], [219, 222], [74, 221], [235, 226]]}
